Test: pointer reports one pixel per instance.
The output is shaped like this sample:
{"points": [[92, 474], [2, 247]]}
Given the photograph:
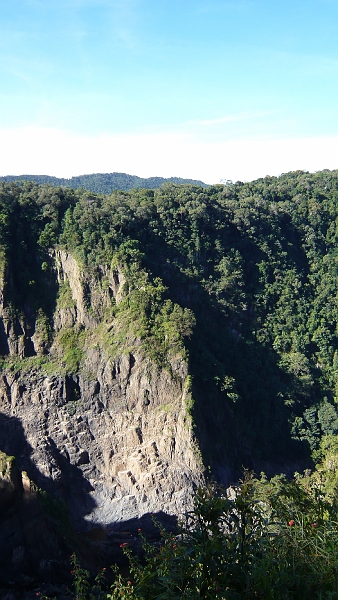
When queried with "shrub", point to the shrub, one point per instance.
{"points": [[274, 539]]}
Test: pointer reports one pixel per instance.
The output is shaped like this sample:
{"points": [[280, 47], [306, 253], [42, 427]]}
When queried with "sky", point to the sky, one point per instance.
{"points": [[211, 90]]}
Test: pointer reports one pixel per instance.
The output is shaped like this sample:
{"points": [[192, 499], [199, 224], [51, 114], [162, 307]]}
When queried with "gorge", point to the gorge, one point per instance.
{"points": [[153, 339]]}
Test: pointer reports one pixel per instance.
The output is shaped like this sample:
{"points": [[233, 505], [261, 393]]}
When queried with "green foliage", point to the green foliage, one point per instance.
{"points": [[240, 279], [65, 297], [161, 324], [326, 474], [23, 366], [30, 221], [317, 421], [101, 183], [71, 341], [6, 465], [270, 539], [81, 579]]}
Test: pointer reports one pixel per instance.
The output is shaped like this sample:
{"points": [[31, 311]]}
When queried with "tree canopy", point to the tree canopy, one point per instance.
{"points": [[243, 276]]}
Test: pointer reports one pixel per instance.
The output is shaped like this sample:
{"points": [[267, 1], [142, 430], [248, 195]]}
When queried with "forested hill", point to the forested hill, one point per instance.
{"points": [[102, 183], [242, 278]]}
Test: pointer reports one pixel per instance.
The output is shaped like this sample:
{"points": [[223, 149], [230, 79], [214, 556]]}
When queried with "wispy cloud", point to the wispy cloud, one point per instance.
{"points": [[242, 116], [26, 69]]}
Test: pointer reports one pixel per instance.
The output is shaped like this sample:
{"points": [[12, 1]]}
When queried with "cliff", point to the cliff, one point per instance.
{"points": [[149, 336], [114, 440]]}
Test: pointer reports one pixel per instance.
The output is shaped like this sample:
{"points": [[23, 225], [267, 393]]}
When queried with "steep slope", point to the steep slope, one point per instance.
{"points": [[149, 335], [113, 439]]}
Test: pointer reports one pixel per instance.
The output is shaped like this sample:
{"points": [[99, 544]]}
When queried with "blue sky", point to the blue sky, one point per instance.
{"points": [[212, 90]]}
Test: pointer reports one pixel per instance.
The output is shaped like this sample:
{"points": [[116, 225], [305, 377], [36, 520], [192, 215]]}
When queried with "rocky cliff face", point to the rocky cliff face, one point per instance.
{"points": [[113, 440]]}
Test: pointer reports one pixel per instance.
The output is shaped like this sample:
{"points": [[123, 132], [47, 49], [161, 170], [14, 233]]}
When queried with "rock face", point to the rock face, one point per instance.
{"points": [[114, 441]]}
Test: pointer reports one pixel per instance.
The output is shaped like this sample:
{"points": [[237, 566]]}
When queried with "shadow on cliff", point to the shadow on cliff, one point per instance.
{"points": [[68, 484], [38, 533], [238, 388]]}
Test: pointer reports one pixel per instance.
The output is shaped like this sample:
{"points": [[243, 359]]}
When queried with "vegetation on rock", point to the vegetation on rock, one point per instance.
{"points": [[241, 277], [239, 282]]}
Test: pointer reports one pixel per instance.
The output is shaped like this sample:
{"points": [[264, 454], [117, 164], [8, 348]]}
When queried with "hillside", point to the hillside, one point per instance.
{"points": [[102, 183], [153, 336]]}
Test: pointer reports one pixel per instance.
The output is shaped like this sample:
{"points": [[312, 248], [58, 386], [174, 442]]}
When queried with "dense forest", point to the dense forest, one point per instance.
{"points": [[240, 281], [102, 183], [240, 277]]}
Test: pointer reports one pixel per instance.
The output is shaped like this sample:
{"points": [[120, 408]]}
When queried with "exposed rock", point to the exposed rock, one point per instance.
{"points": [[111, 455], [114, 441]]}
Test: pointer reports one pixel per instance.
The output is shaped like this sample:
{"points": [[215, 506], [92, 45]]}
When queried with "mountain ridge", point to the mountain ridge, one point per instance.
{"points": [[102, 183]]}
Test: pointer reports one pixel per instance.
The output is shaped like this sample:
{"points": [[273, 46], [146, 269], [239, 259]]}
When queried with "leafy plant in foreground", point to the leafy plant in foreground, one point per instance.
{"points": [[268, 539]]}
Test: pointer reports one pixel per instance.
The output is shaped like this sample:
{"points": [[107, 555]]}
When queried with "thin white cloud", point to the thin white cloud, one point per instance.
{"points": [[242, 116], [63, 154]]}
